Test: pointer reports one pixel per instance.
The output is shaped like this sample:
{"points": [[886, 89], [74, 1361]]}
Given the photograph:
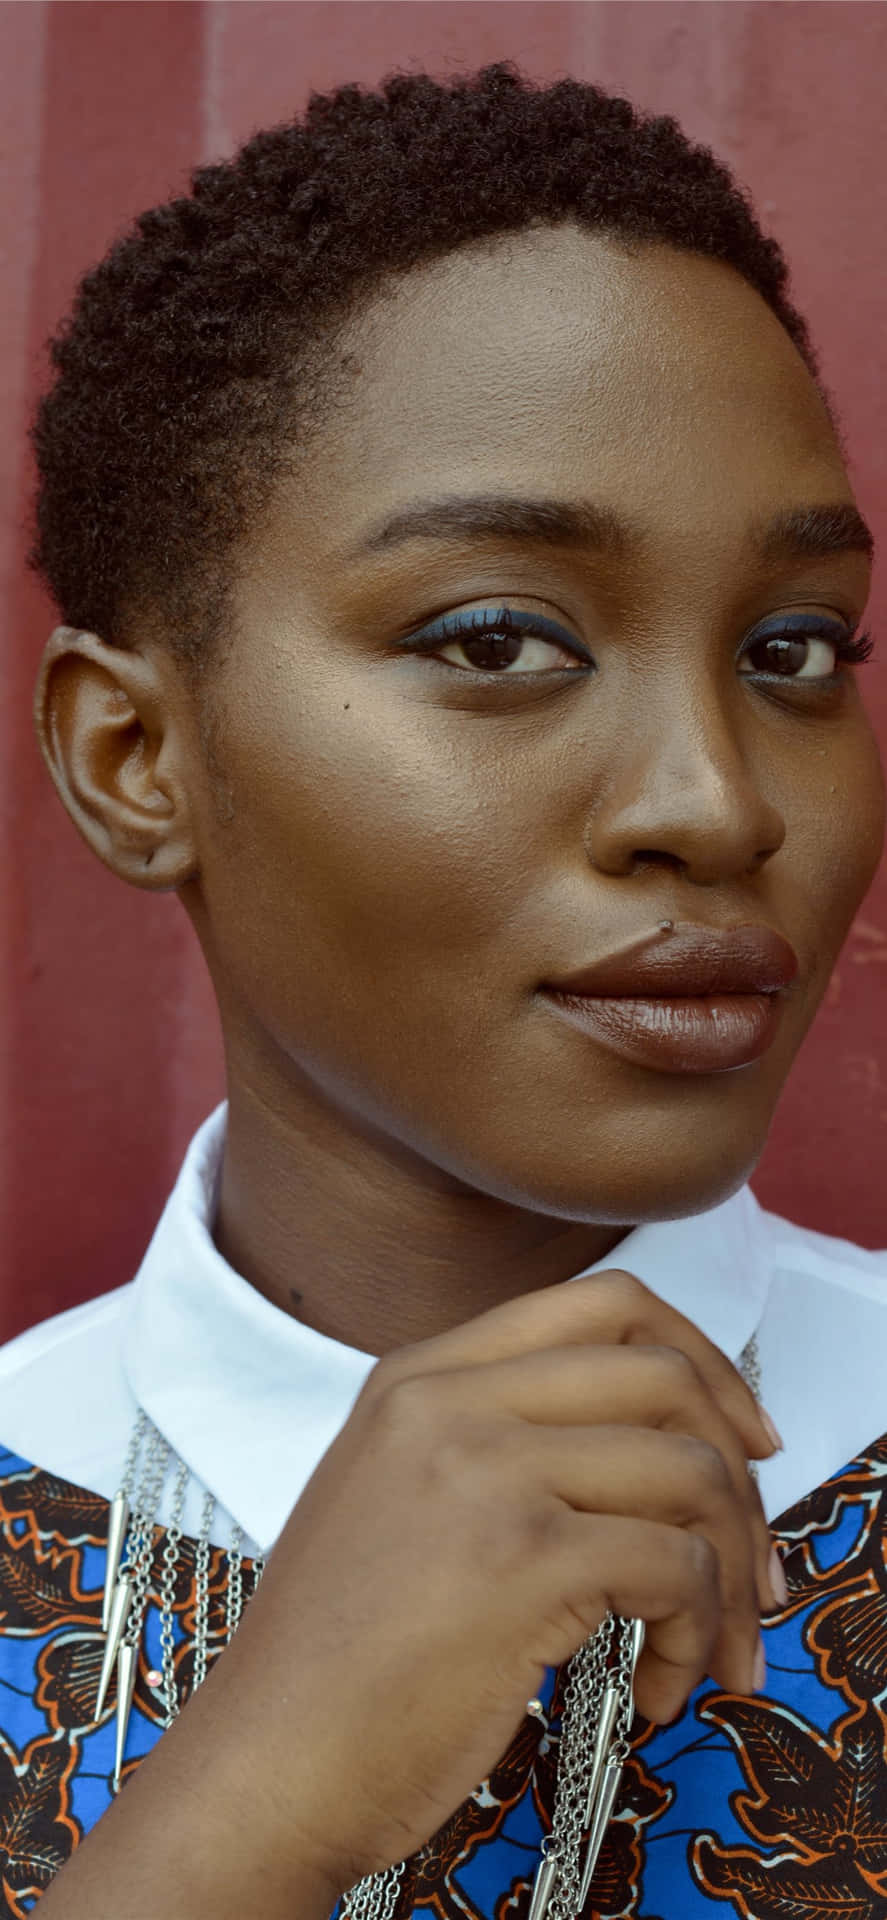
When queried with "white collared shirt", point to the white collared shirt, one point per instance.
{"points": [[251, 1399]]}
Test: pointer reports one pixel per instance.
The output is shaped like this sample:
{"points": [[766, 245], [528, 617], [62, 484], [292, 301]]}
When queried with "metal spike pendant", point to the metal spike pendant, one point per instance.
{"points": [[118, 1521], [604, 1782], [605, 1804], [602, 1738], [126, 1678], [121, 1601], [543, 1888]]}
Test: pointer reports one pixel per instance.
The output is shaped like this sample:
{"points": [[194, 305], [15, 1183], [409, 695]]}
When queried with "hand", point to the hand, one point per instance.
{"points": [[494, 1493]]}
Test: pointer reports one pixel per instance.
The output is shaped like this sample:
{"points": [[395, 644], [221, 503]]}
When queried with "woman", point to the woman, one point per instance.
{"points": [[461, 589]]}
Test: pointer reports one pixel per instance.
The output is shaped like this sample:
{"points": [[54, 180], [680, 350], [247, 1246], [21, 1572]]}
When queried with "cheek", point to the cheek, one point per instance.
{"points": [[385, 856], [838, 840]]}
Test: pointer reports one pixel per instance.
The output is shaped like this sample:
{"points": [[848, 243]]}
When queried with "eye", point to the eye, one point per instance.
{"points": [[803, 647], [499, 640]]}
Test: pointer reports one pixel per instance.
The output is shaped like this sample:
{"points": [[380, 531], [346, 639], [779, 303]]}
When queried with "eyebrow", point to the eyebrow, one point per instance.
{"points": [[808, 532], [815, 532], [482, 516]]}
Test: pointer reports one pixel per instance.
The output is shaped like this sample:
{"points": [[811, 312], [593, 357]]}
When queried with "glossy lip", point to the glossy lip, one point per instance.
{"points": [[705, 1034], [703, 1000]]}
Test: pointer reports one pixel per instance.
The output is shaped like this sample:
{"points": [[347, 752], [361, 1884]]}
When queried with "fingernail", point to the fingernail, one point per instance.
{"points": [[778, 1580], [759, 1680], [772, 1431]]}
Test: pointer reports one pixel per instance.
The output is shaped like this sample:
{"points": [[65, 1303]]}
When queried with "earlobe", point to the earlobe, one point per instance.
{"points": [[114, 746]]}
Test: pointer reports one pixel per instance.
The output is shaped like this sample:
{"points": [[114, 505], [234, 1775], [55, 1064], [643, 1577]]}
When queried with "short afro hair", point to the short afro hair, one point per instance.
{"points": [[200, 353]]}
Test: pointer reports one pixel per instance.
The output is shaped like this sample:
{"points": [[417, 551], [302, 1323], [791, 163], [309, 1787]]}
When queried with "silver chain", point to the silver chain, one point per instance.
{"points": [[140, 1544], [132, 1454], [201, 1611], [582, 1704], [599, 1677], [234, 1589], [621, 1747], [562, 1885], [750, 1368], [168, 1593], [375, 1897]]}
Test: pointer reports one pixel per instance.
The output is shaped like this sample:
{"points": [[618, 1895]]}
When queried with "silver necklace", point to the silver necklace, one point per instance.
{"points": [[598, 1706]]}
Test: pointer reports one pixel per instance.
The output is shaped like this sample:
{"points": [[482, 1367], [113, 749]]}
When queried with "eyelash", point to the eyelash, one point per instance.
{"points": [[456, 629]]}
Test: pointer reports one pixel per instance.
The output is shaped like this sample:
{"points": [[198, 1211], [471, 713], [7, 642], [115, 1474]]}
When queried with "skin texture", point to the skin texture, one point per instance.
{"points": [[495, 1490], [384, 855]]}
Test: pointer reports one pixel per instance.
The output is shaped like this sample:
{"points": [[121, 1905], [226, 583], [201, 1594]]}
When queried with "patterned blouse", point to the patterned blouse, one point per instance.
{"points": [[771, 1808]]}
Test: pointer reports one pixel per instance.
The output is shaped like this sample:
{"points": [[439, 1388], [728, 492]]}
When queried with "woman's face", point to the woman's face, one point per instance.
{"points": [[410, 842]]}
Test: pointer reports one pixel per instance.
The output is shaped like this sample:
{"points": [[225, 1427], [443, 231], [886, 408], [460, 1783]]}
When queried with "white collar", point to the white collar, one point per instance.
{"points": [[236, 1384]]}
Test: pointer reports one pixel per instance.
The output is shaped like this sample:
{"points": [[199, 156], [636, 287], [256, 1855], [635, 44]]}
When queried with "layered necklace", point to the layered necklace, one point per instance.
{"points": [[598, 1703]]}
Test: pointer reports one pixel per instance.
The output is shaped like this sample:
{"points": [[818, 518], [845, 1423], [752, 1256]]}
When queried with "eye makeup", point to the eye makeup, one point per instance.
{"points": [[506, 628], [790, 637], [478, 623]]}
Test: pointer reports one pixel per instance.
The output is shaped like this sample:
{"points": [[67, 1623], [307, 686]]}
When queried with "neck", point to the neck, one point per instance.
{"points": [[363, 1241]]}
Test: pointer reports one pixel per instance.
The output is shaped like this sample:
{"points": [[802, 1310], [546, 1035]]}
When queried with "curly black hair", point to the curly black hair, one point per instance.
{"points": [[203, 350]]}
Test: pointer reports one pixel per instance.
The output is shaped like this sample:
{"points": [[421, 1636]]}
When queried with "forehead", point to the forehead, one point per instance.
{"points": [[554, 356]]}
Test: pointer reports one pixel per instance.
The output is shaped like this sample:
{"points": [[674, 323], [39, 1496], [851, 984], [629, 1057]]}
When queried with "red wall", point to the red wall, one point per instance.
{"points": [[112, 1053]]}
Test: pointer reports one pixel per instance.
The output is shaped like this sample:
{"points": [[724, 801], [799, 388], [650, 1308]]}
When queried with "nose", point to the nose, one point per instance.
{"points": [[685, 794]]}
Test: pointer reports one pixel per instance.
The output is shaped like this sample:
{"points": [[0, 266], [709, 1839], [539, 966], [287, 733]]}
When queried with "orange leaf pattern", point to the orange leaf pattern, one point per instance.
{"points": [[772, 1808]]}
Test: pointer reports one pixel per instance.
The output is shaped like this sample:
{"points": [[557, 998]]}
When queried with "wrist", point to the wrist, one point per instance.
{"points": [[277, 1771]]}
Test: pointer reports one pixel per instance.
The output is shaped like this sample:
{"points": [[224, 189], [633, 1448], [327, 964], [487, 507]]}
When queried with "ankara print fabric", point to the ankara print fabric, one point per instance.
{"points": [[772, 1808]]}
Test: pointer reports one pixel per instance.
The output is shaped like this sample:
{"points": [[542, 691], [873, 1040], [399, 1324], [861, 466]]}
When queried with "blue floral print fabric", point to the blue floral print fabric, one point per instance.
{"points": [[769, 1808]]}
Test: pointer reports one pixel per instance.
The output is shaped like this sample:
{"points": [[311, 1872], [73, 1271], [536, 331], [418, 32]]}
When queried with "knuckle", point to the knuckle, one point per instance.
{"points": [[404, 1404], [710, 1471], [675, 1372], [501, 1540], [392, 1367], [629, 1293], [537, 1531], [464, 1460], [701, 1565]]}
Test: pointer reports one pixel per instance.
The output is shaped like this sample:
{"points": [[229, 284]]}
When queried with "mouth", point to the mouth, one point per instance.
{"points": [[705, 1001], [694, 1034]]}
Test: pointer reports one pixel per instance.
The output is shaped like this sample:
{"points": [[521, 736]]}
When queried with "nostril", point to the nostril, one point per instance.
{"points": [[658, 856]]}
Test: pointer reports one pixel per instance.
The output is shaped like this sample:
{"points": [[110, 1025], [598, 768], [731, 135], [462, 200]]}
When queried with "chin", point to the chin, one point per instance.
{"points": [[641, 1175], [677, 1193]]}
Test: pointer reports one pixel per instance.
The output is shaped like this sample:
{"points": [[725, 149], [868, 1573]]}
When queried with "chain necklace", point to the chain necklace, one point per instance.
{"points": [[598, 1706]]}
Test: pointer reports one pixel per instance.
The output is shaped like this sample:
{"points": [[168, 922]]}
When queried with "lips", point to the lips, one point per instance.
{"points": [[705, 1000], [694, 961]]}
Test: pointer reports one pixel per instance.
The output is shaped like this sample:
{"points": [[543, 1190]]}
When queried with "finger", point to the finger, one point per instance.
{"points": [[659, 1574], [610, 1309], [652, 1387], [668, 1478]]}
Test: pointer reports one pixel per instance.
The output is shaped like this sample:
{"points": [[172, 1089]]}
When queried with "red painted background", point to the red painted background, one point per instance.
{"points": [[111, 1054]]}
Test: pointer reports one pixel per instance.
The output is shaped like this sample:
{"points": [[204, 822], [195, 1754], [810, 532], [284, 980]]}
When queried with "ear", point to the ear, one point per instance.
{"points": [[113, 730]]}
